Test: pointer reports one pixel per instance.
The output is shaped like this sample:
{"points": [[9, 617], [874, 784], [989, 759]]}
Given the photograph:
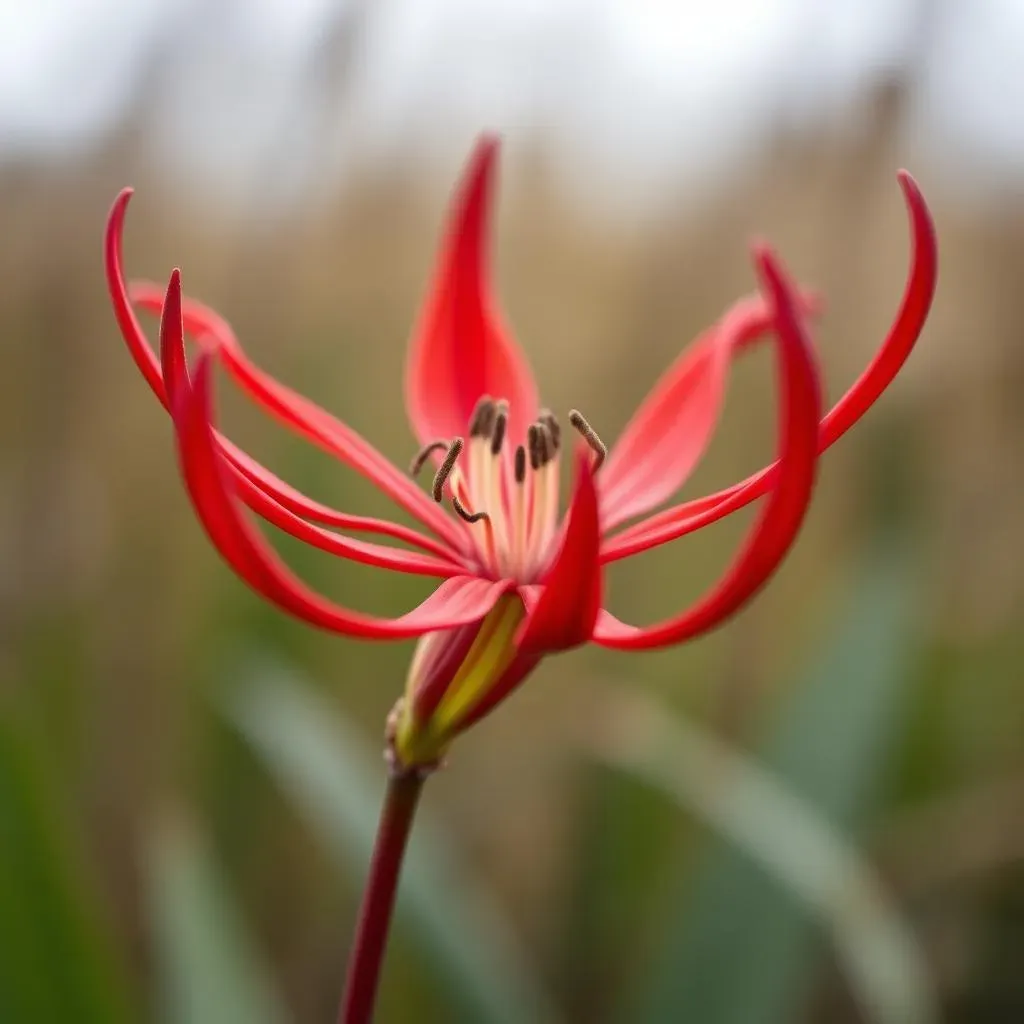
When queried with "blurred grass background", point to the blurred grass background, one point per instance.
{"points": [[178, 841]]}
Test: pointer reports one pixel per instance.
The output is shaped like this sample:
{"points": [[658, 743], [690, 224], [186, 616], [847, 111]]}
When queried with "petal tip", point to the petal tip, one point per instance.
{"points": [[916, 203], [769, 268], [171, 310], [907, 180], [486, 150], [115, 219], [478, 178], [912, 194], [762, 254]]}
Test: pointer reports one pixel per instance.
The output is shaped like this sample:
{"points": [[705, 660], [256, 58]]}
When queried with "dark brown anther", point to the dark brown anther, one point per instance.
{"points": [[465, 515], [520, 464], [545, 445], [578, 421], [423, 454], [483, 417], [500, 426], [547, 417], [444, 471], [533, 445]]}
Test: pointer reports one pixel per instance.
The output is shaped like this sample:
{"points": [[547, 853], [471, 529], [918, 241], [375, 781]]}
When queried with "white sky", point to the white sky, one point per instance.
{"points": [[644, 88]]}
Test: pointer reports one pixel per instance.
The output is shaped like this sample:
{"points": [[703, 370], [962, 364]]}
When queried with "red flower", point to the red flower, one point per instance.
{"points": [[518, 580]]}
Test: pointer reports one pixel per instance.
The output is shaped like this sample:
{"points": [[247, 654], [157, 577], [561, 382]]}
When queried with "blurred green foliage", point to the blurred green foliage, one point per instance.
{"points": [[56, 956], [742, 941]]}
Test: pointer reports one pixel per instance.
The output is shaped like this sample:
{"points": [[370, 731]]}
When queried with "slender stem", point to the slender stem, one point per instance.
{"points": [[379, 898]]}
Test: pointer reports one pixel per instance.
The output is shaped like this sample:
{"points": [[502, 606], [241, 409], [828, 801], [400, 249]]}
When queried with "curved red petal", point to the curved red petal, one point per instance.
{"points": [[173, 362], [305, 417], [564, 613], [460, 349], [456, 601], [128, 323], [910, 319], [688, 517], [148, 364], [779, 522], [907, 326], [367, 553], [175, 374], [302, 505], [673, 426]]}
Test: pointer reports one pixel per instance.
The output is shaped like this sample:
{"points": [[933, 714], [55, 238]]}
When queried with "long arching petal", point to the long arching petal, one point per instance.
{"points": [[205, 325], [563, 612], [302, 505], [456, 601], [918, 292], [371, 463], [460, 350], [368, 553], [779, 522], [303, 416], [666, 438], [175, 375]]}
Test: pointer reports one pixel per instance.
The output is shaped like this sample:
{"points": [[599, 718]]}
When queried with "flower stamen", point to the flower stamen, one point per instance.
{"points": [[533, 445], [550, 435], [464, 514], [446, 467], [420, 458], [519, 510], [500, 426], [547, 417], [481, 421], [543, 490], [577, 419], [489, 550], [480, 425], [517, 498]]}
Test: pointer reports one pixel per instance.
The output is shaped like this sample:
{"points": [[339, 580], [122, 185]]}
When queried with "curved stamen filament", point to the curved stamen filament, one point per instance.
{"points": [[420, 459], [489, 549], [464, 514]]}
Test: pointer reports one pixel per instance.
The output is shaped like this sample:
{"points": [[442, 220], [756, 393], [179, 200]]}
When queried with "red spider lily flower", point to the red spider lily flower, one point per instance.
{"points": [[518, 579]]}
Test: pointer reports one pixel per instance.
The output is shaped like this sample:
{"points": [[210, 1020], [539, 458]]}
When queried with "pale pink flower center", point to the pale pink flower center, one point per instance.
{"points": [[508, 497]]}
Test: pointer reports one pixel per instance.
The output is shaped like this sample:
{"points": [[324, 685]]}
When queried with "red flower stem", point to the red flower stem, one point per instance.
{"points": [[371, 936]]}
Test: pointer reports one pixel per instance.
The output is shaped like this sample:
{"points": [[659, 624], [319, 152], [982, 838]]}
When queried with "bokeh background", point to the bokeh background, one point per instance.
{"points": [[815, 814]]}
